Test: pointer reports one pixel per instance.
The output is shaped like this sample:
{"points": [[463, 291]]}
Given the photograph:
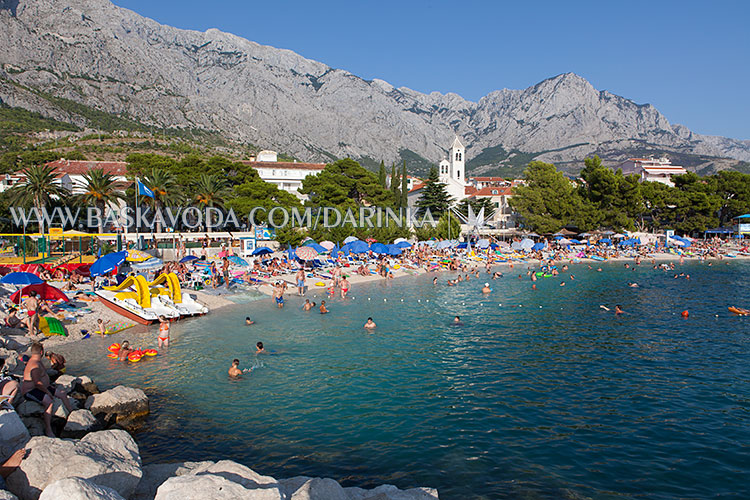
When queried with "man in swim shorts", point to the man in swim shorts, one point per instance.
{"points": [[278, 294], [300, 282], [36, 386]]}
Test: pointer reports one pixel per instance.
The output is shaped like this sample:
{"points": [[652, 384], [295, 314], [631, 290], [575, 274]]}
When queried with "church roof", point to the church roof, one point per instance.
{"points": [[457, 144]]}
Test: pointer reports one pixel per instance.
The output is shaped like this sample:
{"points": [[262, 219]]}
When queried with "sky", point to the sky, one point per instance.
{"points": [[689, 59]]}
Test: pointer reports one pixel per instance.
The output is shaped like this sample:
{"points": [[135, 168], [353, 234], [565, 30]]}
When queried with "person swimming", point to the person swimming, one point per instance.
{"points": [[486, 288], [323, 308], [234, 370], [259, 348], [248, 321], [370, 323], [618, 309], [457, 321]]}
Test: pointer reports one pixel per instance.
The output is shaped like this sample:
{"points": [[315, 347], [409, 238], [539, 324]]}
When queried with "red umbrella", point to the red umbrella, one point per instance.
{"points": [[306, 253], [43, 291]]}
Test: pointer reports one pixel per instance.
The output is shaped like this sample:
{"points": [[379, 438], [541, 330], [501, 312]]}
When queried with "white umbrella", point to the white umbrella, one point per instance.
{"points": [[328, 245], [349, 239], [399, 240], [444, 244], [618, 235], [564, 241], [527, 243], [483, 243]]}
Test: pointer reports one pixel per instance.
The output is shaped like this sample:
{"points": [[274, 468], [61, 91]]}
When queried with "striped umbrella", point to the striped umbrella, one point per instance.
{"points": [[306, 253], [138, 256]]}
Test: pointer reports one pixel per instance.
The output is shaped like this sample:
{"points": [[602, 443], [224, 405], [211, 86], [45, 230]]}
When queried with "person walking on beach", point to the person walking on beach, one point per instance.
{"points": [[336, 274], [344, 287], [225, 270], [163, 331], [300, 282], [33, 306], [36, 387]]}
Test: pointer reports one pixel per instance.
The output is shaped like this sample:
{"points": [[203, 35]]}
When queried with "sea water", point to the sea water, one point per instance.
{"points": [[537, 394]]}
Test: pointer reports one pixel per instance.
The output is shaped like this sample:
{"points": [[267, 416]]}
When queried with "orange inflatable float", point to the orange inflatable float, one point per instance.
{"points": [[150, 352], [114, 347], [134, 357], [113, 355]]}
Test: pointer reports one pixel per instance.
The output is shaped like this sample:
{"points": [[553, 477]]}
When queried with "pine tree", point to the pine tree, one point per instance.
{"points": [[434, 196], [382, 175], [404, 188], [394, 185]]}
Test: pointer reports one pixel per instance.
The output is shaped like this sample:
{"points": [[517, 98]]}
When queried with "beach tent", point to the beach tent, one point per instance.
{"points": [[393, 249], [378, 248], [108, 263], [402, 244], [483, 243], [350, 239], [261, 251]]}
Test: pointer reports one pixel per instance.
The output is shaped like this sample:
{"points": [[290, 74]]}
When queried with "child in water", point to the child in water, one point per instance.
{"points": [[163, 331]]}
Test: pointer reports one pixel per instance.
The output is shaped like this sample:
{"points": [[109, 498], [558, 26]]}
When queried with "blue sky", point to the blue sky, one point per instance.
{"points": [[691, 60]]}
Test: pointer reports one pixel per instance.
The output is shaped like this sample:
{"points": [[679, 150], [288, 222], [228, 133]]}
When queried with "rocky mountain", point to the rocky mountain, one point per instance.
{"points": [[113, 60]]}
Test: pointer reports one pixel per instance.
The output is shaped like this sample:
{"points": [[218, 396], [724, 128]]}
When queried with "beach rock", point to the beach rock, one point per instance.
{"points": [[13, 364], [154, 476], [204, 486], [16, 342], [313, 489], [107, 458], [80, 422], [125, 403], [390, 492], [75, 488], [29, 408], [13, 434], [237, 473], [85, 384], [66, 382], [7, 495], [35, 425]]}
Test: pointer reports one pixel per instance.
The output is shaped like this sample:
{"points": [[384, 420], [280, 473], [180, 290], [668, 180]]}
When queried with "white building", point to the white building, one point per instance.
{"points": [[503, 217], [452, 171], [650, 169], [287, 175]]}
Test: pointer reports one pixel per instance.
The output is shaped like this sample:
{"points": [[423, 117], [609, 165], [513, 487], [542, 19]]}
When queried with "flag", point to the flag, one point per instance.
{"points": [[143, 190]]}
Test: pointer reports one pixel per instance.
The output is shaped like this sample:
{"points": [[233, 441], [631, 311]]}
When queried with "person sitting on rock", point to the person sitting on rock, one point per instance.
{"points": [[56, 360], [12, 320], [37, 387]]}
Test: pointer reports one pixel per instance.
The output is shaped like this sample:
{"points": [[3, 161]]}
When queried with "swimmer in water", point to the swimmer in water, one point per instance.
{"points": [[497, 275], [248, 321], [633, 285], [486, 288], [234, 370], [259, 349], [370, 323], [456, 320], [434, 280], [323, 309], [307, 306], [618, 310]]}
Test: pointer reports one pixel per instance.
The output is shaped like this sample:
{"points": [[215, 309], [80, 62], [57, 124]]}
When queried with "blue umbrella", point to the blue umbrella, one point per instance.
{"points": [[261, 251], [393, 250], [460, 245], [108, 263], [378, 248], [335, 251], [605, 240], [538, 246], [403, 244], [188, 258], [318, 248], [290, 253], [21, 279], [239, 261], [346, 250], [358, 247]]}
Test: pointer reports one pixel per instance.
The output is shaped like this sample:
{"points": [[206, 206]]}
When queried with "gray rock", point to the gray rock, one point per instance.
{"points": [[107, 458], [154, 476], [205, 486], [13, 434], [66, 382], [390, 492], [35, 425], [80, 422], [318, 489], [75, 488], [18, 342], [29, 408], [7, 495], [126, 403], [237, 473]]}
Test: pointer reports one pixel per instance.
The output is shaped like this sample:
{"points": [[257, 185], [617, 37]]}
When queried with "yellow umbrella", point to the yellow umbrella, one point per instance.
{"points": [[138, 256]]}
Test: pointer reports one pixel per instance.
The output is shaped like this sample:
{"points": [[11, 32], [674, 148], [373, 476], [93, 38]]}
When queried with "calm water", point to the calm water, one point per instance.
{"points": [[540, 394]]}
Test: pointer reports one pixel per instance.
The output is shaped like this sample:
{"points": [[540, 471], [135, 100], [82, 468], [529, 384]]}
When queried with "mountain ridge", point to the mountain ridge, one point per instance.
{"points": [[114, 60]]}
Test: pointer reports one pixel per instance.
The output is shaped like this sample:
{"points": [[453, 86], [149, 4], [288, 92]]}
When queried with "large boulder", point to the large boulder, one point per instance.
{"points": [[124, 403], [107, 458], [390, 492], [76, 488], [154, 476], [35, 425], [13, 434], [7, 495], [66, 382], [305, 488], [28, 408], [80, 423], [205, 486]]}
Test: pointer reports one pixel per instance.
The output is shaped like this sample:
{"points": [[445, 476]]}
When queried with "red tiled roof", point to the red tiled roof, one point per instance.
{"points": [[416, 187], [488, 191], [284, 164], [488, 179], [469, 190], [80, 167]]}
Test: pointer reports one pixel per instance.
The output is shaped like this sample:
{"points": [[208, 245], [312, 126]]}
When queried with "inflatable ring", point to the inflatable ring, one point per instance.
{"points": [[112, 355], [114, 347], [134, 357], [150, 352], [397, 266], [320, 283]]}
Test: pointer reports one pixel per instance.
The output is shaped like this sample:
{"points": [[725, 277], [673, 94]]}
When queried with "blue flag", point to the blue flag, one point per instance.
{"points": [[143, 190]]}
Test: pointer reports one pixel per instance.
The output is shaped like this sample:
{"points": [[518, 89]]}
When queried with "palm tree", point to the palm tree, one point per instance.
{"points": [[165, 188], [38, 190], [100, 191], [210, 191]]}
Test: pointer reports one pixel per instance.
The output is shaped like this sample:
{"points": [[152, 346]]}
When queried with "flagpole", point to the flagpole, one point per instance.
{"points": [[137, 219]]}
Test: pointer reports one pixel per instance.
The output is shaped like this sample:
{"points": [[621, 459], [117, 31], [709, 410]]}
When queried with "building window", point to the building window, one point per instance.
{"points": [[458, 156], [458, 174]]}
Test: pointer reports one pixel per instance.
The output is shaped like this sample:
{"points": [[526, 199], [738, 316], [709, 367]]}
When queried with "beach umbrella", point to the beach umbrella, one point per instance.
{"points": [[618, 235], [608, 232], [188, 258], [237, 260], [138, 256], [526, 244], [483, 243], [328, 245], [585, 235], [317, 248], [575, 241], [400, 240], [516, 245], [306, 253], [461, 246], [346, 250], [402, 244], [261, 251], [429, 243], [442, 245], [558, 237], [19, 278], [290, 253], [43, 291], [494, 246], [538, 246], [307, 241], [564, 241], [378, 248], [108, 263], [532, 235], [605, 240], [393, 249], [334, 251], [152, 263], [359, 247], [350, 239], [371, 240]]}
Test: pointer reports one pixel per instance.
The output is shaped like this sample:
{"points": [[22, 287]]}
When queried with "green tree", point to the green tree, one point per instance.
{"points": [[382, 175], [209, 190], [100, 190], [404, 201], [733, 189], [476, 204], [167, 191], [434, 196], [345, 184], [548, 201], [696, 204], [38, 190], [141, 164], [395, 181], [258, 193]]}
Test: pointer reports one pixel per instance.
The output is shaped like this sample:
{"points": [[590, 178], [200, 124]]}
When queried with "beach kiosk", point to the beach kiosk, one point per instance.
{"points": [[742, 225]]}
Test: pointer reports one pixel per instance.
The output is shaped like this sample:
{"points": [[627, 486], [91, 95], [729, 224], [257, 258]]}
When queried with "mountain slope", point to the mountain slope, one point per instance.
{"points": [[113, 60]]}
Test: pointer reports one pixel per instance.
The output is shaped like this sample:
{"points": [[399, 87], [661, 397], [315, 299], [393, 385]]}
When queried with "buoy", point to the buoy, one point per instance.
{"points": [[685, 313]]}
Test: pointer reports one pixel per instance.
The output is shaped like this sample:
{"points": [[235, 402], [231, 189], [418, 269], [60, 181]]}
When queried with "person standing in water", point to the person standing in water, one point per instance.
{"points": [[344, 286], [163, 331], [323, 309], [370, 323]]}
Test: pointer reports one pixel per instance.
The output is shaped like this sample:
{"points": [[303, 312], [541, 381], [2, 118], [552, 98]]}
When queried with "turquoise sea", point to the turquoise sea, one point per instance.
{"points": [[538, 394]]}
